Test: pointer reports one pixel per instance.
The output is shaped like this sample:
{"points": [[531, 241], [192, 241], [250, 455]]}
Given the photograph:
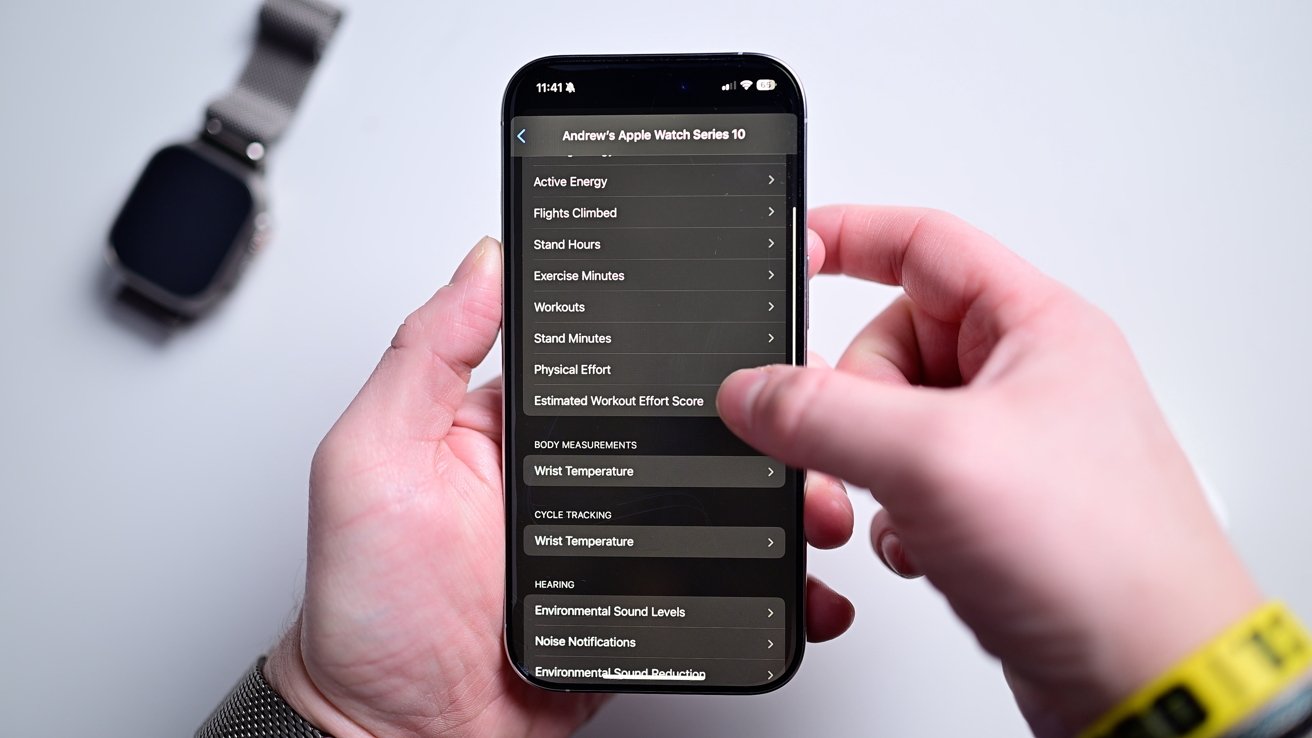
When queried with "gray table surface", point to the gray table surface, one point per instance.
{"points": [[1156, 156]]}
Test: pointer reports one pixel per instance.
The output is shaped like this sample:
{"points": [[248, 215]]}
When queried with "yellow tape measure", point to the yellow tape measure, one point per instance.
{"points": [[1219, 685]]}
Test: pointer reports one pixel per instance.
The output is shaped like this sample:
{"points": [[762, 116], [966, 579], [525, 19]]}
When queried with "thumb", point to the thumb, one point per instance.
{"points": [[870, 433], [420, 383]]}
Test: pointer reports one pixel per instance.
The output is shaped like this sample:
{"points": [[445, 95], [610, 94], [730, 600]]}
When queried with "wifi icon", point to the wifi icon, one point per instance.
{"points": [[746, 84]]}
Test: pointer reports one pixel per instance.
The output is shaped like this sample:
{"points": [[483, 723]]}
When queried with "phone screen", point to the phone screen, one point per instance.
{"points": [[654, 229]]}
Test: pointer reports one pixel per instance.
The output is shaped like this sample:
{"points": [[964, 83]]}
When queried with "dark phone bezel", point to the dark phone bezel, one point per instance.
{"points": [[667, 76]]}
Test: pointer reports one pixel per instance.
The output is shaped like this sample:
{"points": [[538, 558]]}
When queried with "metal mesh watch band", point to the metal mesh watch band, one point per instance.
{"points": [[1288, 716], [253, 710], [292, 37]]}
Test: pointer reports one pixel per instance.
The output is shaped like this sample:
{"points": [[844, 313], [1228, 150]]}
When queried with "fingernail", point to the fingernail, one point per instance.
{"points": [[890, 550], [474, 256], [746, 384], [839, 485]]}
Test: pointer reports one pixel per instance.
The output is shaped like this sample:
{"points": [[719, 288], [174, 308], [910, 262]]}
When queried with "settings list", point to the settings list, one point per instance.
{"points": [[647, 281], [654, 260]]}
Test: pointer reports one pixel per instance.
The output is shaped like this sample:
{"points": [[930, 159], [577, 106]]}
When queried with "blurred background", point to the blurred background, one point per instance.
{"points": [[1157, 156]]}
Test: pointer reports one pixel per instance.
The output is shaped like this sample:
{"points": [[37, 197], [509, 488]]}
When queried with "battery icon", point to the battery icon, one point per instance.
{"points": [[765, 84]]}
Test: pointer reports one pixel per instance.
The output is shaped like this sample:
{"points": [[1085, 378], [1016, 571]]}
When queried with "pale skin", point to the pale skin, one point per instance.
{"points": [[1000, 420], [1021, 461]]}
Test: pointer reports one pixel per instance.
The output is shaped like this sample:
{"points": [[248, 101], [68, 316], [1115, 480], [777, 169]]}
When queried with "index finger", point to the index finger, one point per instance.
{"points": [[948, 268]]}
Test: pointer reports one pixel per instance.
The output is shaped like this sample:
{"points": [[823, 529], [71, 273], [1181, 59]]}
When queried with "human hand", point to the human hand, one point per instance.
{"points": [[1021, 460], [400, 632]]}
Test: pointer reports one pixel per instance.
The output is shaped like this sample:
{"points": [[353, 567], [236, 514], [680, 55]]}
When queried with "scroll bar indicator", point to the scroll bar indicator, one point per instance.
{"points": [[793, 313]]}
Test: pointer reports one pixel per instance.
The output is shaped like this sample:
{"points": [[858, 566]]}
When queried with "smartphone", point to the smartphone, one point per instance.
{"points": [[654, 225]]}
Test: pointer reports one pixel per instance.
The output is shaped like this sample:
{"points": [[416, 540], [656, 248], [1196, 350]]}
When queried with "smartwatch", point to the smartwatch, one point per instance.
{"points": [[197, 212]]}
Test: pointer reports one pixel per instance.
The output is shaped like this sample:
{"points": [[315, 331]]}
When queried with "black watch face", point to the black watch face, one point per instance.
{"points": [[182, 221]]}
